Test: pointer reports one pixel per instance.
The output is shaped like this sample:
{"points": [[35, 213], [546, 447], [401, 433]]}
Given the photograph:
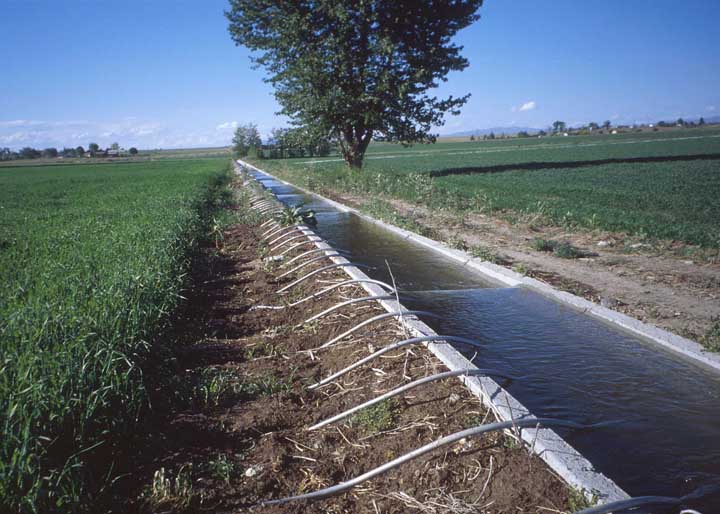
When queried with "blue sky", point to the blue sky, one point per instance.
{"points": [[158, 73]]}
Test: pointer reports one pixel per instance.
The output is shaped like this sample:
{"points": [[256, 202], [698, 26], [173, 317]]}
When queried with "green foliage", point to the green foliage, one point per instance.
{"points": [[484, 253], [458, 243], [376, 418], [224, 468], [246, 139], [217, 386], [543, 245], [294, 215], [176, 493], [577, 500], [562, 249], [356, 70], [565, 250], [297, 142], [520, 268], [711, 339], [94, 263]]}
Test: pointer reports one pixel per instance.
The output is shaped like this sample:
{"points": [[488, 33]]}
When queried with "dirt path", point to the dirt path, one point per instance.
{"points": [[231, 413], [673, 286]]}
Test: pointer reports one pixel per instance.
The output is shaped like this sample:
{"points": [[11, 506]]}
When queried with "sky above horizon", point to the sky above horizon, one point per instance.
{"points": [[165, 74]]}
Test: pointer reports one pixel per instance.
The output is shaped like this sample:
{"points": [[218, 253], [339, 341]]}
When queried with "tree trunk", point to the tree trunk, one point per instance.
{"points": [[355, 142]]}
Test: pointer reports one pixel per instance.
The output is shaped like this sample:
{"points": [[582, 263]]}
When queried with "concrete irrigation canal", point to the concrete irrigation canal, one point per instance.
{"points": [[566, 363]]}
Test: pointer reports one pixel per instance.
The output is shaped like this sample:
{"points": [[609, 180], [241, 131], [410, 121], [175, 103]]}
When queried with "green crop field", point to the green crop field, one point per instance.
{"points": [[92, 260], [663, 185]]}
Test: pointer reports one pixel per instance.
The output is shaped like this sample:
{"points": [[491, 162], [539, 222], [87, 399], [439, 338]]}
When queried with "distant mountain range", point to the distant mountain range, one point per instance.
{"points": [[494, 130]]}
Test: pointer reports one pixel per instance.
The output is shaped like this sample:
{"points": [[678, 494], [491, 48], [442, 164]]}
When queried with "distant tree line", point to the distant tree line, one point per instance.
{"points": [[282, 144], [560, 128], [94, 150]]}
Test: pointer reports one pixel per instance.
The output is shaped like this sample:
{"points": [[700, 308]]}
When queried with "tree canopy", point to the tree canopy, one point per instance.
{"points": [[353, 70], [246, 137]]}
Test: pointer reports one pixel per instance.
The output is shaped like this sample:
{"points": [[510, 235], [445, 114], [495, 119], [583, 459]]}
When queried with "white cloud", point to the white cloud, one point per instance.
{"points": [[527, 106], [227, 125], [13, 138], [711, 108], [126, 131]]}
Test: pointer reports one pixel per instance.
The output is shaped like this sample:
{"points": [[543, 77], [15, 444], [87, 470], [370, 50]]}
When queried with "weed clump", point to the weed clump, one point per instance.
{"points": [[578, 500], [562, 249], [566, 251], [484, 253], [543, 245], [711, 339], [224, 468], [167, 493], [377, 418], [216, 387], [296, 215]]}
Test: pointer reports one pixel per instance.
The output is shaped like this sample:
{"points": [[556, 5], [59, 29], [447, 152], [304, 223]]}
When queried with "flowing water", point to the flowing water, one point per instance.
{"points": [[569, 365]]}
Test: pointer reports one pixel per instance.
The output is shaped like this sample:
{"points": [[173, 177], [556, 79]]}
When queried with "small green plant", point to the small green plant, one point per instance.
{"points": [[510, 442], [565, 250], [295, 215], [578, 500], [263, 349], [543, 245], [484, 253], [224, 468], [711, 339], [521, 268], [378, 418], [217, 386], [216, 232], [263, 250], [166, 493], [268, 385], [311, 326], [458, 243], [473, 420]]}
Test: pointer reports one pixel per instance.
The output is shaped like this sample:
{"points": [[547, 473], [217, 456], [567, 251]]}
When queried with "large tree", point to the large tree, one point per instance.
{"points": [[559, 126], [245, 139], [356, 69]]}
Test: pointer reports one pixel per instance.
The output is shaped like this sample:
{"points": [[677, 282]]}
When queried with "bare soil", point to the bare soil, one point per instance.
{"points": [[666, 283], [251, 444]]}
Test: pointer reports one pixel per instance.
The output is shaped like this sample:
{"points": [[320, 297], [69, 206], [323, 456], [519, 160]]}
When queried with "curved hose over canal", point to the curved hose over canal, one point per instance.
{"points": [[343, 304], [315, 272], [379, 317], [306, 263], [406, 387], [389, 348], [443, 441], [310, 252]]}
